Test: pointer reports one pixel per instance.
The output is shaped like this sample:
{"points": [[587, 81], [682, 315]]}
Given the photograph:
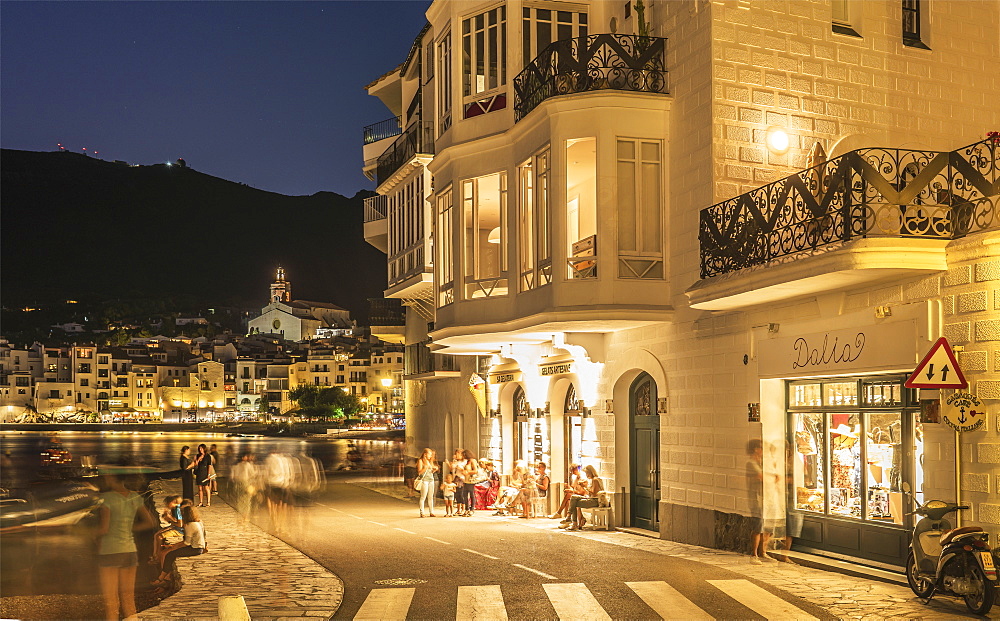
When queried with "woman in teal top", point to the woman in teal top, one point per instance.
{"points": [[117, 559]]}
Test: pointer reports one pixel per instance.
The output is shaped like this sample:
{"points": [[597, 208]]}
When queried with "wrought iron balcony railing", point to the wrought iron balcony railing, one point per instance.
{"points": [[418, 138], [383, 129], [376, 208], [592, 63], [863, 193]]}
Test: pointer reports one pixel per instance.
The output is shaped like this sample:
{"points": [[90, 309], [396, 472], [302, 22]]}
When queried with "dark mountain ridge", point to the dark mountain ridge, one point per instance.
{"points": [[73, 226]]}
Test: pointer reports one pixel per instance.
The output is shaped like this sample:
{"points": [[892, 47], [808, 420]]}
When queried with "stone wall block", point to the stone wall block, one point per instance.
{"points": [[973, 482], [996, 361], [989, 453], [922, 289], [973, 361], [989, 513], [961, 275], [887, 295], [988, 389], [972, 302], [958, 332], [948, 304], [988, 330], [987, 270]]}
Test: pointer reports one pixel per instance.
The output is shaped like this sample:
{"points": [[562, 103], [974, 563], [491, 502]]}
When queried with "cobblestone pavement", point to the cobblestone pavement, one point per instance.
{"points": [[276, 580], [845, 597]]}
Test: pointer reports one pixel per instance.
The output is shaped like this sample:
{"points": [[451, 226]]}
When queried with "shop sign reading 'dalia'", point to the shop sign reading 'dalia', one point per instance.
{"points": [[963, 411]]}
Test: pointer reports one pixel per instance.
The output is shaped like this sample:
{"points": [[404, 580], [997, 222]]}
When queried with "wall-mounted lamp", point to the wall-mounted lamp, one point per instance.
{"points": [[773, 327], [881, 312], [586, 413], [777, 140], [494, 236]]}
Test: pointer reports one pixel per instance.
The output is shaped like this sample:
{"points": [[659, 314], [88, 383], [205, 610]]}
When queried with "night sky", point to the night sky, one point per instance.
{"points": [[270, 94]]}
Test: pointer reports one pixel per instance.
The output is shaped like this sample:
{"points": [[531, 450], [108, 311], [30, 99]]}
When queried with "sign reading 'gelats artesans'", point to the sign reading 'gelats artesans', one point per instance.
{"points": [[964, 411]]}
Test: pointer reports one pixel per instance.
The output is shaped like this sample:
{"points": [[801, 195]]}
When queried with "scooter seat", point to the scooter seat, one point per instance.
{"points": [[949, 535]]}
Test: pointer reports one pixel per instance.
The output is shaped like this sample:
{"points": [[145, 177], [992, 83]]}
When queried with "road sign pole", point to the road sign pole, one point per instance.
{"points": [[958, 476]]}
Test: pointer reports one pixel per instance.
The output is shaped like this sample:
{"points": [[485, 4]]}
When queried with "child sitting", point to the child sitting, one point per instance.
{"points": [[174, 530], [449, 486]]}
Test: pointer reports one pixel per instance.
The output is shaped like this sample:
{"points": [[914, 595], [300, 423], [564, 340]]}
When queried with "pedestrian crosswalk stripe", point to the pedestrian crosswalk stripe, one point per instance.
{"points": [[667, 601], [575, 601], [762, 602], [386, 605], [481, 603]]}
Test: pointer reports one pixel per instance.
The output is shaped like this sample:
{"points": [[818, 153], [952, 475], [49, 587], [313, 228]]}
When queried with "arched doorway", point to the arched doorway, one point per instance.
{"points": [[644, 453]]}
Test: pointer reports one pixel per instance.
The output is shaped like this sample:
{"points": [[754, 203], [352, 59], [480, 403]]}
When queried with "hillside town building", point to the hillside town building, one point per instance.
{"points": [[660, 230]]}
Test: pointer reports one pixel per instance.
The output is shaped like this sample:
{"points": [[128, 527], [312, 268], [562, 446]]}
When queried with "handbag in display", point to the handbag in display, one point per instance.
{"points": [[805, 443]]}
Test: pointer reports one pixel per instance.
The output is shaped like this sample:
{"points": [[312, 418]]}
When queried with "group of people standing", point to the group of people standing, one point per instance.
{"points": [[199, 471]]}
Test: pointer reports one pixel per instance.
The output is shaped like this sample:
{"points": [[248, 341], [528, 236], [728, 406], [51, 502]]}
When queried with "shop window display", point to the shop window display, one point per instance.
{"points": [[848, 453]]}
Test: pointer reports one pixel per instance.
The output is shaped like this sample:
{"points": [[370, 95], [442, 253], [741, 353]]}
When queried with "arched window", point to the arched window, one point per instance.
{"points": [[572, 405], [521, 407]]}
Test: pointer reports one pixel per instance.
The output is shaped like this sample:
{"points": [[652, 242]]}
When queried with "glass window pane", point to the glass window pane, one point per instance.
{"points": [[845, 465], [840, 393], [808, 463], [884, 457], [882, 394], [805, 395], [626, 206]]}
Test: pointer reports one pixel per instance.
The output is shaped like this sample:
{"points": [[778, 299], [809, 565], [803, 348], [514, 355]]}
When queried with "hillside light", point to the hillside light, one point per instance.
{"points": [[777, 140]]}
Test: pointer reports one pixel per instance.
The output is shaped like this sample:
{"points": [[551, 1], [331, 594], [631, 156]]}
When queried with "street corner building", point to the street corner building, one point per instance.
{"points": [[659, 230]]}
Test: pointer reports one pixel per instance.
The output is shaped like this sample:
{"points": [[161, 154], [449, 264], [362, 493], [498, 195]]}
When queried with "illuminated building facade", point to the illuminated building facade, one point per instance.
{"points": [[675, 227]]}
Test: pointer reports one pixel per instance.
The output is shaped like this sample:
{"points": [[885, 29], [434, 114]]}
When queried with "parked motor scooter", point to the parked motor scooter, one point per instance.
{"points": [[954, 561]]}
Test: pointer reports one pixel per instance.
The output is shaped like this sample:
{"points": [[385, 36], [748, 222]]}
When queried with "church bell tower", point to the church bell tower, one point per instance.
{"points": [[281, 289]]}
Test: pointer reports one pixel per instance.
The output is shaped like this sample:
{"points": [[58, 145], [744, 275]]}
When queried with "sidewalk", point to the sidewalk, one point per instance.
{"points": [[276, 580], [845, 596]]}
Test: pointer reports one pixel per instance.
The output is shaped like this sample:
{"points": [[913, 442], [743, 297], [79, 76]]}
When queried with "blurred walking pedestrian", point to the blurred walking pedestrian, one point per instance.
{"points": [[122, 513], [247, 483]]}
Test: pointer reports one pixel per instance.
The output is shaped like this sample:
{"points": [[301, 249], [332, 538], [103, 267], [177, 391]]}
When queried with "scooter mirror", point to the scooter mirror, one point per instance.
{"points": [[906, 486]]}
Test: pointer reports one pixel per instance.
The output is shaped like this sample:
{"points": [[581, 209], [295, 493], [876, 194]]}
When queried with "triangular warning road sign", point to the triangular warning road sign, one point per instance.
{"points": [[938, 369]]}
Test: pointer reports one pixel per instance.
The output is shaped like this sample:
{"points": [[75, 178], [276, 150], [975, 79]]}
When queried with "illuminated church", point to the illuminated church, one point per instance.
{"points": [[298, 320]]}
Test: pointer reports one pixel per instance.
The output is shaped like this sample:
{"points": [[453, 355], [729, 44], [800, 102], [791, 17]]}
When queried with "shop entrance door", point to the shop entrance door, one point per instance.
{"points": [[644, 451]]}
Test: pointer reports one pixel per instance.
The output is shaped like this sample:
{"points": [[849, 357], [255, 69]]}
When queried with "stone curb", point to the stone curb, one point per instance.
{"points": [[276, 580]]}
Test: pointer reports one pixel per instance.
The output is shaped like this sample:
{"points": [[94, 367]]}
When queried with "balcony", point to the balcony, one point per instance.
{"points": [[377, 138], [592, 63], [865, 216], [418, 139], [376, 221], [420, 363], [383, 129]]}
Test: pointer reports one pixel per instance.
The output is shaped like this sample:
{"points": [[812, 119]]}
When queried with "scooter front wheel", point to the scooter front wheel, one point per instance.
{"points": [[982, 599], [923, 587]]}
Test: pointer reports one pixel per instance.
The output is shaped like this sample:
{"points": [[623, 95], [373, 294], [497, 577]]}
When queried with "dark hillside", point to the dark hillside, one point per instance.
{"points": [[75, 226]]}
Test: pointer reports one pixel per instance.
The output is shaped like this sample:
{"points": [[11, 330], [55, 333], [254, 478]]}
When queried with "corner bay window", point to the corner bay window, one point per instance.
{"points": [[640, 220], [853, 443], [444, 242], [581, 207], [484, 216], [534, 249], [484, 61]]}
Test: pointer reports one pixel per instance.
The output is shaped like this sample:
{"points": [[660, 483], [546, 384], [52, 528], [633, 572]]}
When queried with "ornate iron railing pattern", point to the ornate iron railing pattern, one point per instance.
{"points": [[418, 138], [382, 130], [863, 193], [595, 62]]}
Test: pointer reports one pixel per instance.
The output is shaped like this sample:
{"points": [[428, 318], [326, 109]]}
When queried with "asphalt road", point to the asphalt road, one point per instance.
{"points": [[409, 567]]}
